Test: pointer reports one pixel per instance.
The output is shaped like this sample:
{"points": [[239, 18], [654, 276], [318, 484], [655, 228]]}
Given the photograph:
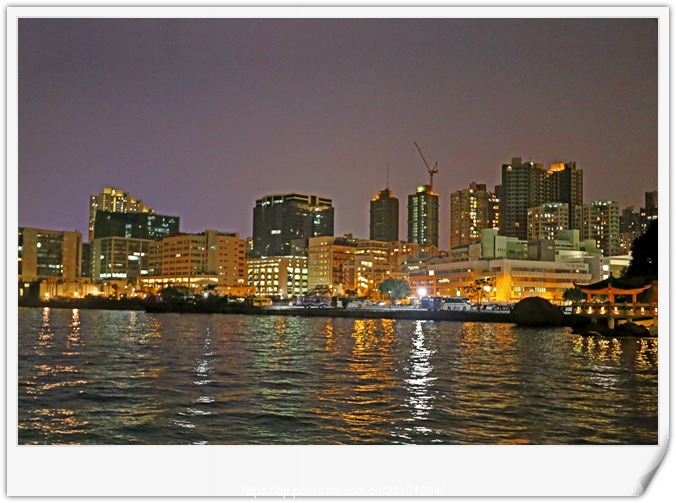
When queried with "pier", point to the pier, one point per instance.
{"points": [[618, 311]]}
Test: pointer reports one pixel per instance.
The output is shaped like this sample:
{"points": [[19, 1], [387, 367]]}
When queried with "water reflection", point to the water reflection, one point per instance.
{"points": [[641, 353], [359, 401], [123, 377], [45, 334], [57, 425], [73, 342], [420, 381]]}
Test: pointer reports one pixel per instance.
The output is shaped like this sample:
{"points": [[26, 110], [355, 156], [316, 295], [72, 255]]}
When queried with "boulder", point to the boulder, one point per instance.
{"points": [[631, 328], [537, 312]]}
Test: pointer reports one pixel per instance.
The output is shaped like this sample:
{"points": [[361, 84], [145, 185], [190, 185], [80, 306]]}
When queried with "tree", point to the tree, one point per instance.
{"points": [[644, 254], [320, 290], [477, 288], [574, 295], [395, 288], [174, 292], [209, 290]]}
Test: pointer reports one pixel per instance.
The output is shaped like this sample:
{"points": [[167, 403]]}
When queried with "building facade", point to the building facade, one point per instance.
{"points": [[505, 280], [364, 273], [423, 217], [472, 210], [548, 220], [326, 256], [278, 277], [523, 187], [566, 184], [116, 201], [208, 260], [134, 225], [280, 219], [47, 254], [600, 221], [384, 215], [526, 185], [119, 258]]}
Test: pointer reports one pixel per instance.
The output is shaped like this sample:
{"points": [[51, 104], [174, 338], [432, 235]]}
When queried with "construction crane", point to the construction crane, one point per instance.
{"points": [[431, 170]]}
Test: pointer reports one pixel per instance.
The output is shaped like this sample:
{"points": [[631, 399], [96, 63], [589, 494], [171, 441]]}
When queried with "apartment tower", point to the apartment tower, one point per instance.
{"points": [[384, 217]]}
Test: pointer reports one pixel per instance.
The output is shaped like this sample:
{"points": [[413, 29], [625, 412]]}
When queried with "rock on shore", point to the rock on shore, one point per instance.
{"points": [[537, 312]]}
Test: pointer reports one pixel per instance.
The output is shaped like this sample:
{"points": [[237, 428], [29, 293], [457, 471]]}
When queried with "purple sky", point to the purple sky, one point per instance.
{"points": [[199, 118]]}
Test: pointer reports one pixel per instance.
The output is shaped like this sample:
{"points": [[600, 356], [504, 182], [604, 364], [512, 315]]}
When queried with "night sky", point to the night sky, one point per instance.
{"points": [[199, 118]]}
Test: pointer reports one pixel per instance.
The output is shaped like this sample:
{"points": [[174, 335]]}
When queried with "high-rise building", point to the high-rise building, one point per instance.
{"points": [[45, 254], [548, 220], [600, 221], [423, 217], [526, 185], [566, 186], [384, 217], [630, 228], [280, 219], [134, 225], [116, 201], [472, 210], [649, 212]]}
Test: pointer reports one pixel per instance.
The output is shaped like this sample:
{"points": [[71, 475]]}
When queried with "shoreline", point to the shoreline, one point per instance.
{"points": [[571, 320]]}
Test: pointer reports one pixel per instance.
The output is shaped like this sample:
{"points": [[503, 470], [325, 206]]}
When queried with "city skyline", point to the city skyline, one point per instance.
{"points": [[199, 118]]}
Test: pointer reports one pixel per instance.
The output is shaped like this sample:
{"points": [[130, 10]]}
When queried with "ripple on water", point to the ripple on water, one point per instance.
{"points": [[95, 377]]}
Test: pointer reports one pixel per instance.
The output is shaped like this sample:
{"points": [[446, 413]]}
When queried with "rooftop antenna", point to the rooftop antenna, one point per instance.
{"points": [[388, 176]]}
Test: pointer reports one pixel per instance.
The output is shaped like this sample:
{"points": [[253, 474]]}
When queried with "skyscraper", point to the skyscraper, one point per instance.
{"points": [[472, 210], [113, 200], [384, 217], [423, 217], [280, 219]]}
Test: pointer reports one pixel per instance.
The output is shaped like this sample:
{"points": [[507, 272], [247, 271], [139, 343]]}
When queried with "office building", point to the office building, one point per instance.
{"points": [[423, 217], [280, 219], [326, 256], [278, 277], [209, 260], [119, 258], [116, 201], [134, 225], [384, 214], [472, 210]]}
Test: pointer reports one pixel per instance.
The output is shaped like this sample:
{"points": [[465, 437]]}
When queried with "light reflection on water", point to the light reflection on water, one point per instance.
{"points": [[130, 377]]}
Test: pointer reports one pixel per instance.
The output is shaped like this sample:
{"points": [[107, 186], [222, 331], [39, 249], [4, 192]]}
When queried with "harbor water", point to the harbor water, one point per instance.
{"points": [[131, 377]]}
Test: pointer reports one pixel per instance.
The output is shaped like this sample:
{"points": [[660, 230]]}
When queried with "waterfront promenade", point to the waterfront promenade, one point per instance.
{"points": [[208, 306]]}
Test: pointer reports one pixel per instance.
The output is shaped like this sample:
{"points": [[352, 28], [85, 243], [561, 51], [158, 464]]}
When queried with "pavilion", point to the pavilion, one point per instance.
{"points": [[612, 286]]}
